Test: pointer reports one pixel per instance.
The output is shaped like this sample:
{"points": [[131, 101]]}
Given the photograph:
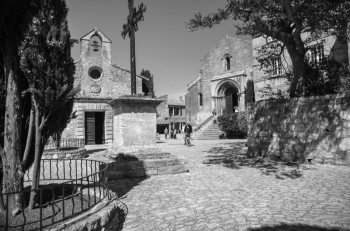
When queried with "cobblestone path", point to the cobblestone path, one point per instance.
{"points": [[216, 196]]}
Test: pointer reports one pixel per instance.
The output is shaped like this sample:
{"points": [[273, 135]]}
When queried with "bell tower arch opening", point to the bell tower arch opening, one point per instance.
{"points": [[96, 45], [227, 98]]}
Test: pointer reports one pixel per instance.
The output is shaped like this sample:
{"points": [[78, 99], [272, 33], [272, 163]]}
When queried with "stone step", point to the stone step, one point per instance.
{"points": [[212, 132]]}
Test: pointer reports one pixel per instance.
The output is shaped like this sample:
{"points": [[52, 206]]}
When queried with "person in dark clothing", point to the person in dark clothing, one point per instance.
{"points": [[166, 133], [187, 133]]}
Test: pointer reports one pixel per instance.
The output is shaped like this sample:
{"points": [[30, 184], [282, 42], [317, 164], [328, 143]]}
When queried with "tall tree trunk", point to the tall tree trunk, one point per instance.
{"points": [[29, 138], [36, 167], [297, 86], [11, 157]]}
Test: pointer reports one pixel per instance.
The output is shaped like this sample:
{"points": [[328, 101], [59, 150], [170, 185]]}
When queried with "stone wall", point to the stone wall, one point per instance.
{"points": [[65, 154], [316, 128]]}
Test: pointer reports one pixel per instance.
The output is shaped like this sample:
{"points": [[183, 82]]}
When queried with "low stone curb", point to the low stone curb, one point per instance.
{"points": [[107, 215], [68, 154]]}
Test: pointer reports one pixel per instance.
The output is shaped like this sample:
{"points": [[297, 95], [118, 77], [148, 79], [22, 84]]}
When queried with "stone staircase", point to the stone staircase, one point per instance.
{"points": [[212, 132]]}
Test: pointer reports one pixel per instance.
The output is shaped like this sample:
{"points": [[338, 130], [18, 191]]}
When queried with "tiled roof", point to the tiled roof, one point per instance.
{"points": [[176, 102]]}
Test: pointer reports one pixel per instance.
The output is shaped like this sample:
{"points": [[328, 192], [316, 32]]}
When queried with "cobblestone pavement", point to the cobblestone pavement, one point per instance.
{"points": [[216, 196]]}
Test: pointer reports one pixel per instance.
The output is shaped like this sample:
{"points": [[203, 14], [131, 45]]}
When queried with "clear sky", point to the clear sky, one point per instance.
{"points": [[163, 43]]}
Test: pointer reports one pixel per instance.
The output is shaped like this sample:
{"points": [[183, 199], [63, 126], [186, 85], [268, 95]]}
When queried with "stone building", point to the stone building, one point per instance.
{"points": [[329, 47], [222, 80], [100, 81], [171, 114]]}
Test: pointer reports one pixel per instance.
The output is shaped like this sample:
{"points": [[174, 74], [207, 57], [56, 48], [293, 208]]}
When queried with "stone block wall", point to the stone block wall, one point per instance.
{"points": [[134, 125], [65, 154], [316, 128]]}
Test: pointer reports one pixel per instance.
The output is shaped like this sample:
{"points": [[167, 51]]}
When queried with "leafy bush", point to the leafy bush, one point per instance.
{"points": [[234, 124]]}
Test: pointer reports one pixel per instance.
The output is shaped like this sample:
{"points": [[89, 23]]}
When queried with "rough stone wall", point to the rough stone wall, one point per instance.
{"points": [[134, 126], [192, 103], [213, 64], [163, 111], [315, 128], [333, 48], [114, 81], [65, 154]]}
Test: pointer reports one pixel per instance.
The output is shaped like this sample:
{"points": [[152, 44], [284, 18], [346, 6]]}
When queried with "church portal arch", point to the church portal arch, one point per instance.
{"points": [[227, 97]]}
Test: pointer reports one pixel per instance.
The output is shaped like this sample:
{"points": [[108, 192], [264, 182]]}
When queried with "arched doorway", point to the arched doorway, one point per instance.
{"points": [[227, 98]]}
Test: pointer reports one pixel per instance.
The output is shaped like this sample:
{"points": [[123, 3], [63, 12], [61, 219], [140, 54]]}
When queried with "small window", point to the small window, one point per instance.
{"points": [[200, 99], [316, 54], [276, 66], [227, 63]]}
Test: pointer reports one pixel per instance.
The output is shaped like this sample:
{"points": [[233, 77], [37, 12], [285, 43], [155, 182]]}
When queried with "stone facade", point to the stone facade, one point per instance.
{"points": [[332, 49], [170, 114], [134, 121], [316, 128], [100, 81], [222, 80]]}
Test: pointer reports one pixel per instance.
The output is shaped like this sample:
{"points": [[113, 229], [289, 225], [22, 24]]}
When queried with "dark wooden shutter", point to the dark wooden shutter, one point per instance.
{"points": [[90, 127]]}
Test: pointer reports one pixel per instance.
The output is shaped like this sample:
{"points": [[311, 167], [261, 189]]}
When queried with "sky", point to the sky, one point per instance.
{"points": [[164, 45]]}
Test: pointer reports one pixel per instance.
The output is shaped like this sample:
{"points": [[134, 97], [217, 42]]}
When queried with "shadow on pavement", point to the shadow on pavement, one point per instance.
{"points": [[122, 186], [234, 157], [296, 227]]}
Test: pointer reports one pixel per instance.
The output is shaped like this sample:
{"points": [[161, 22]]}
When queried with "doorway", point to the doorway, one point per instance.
{"points": [[94, 127]]}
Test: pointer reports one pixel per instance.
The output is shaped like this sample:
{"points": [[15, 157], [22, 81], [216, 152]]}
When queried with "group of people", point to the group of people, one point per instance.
{"points": [[172, 134], [186, 130]]}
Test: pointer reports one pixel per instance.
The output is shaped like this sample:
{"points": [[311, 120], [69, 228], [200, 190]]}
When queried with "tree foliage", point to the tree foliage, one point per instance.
{"points": [[234, 124], [49, 69], [150, 83], [283, 21], [15, 18]]}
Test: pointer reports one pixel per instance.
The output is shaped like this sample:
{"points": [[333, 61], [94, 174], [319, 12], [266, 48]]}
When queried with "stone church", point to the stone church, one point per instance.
{"points": [[222, 80], [226, 69], [100, 81]]}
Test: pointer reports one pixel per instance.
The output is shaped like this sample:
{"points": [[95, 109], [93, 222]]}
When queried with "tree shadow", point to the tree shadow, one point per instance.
{"points": [[235, 157], [300, 129], [297, 227]]}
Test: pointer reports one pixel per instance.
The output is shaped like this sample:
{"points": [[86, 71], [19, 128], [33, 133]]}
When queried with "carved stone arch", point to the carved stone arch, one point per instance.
{"points": [[227, 96]]}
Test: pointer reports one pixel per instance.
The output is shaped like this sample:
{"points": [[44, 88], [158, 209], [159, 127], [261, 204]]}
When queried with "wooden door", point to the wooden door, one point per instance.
{"points": [[90, 128], [229, 106]]}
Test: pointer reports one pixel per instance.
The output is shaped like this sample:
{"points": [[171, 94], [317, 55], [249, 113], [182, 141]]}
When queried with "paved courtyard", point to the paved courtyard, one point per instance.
{"points": [[219, 193]]}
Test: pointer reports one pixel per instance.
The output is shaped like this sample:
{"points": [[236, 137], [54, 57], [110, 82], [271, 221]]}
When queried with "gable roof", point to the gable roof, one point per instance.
{"points": [[96, 31]]}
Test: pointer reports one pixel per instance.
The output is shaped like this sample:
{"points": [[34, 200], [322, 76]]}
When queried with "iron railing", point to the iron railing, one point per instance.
{"points": [[66, 143], [67, 189]]}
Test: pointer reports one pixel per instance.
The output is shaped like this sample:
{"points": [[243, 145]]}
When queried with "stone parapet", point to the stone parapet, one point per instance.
{"points": [[65, 154], [308, 128]]}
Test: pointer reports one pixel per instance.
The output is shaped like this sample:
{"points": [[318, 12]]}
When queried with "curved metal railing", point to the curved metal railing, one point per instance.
{"points": [[68, 187]]}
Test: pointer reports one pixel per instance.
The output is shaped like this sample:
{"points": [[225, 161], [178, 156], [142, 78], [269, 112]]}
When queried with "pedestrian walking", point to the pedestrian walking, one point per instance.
{"points": [[166, 132]]}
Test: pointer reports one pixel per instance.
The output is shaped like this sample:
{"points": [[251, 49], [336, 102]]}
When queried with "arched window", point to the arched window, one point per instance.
{"points": [[200, 99], [227, 63]]}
